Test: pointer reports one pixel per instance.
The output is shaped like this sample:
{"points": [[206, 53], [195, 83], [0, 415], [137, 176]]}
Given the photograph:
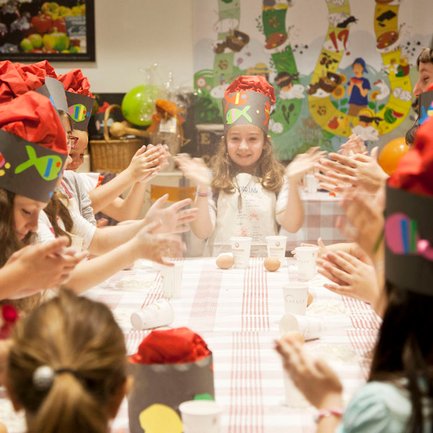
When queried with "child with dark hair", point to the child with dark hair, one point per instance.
{"points": [[399, 394]]}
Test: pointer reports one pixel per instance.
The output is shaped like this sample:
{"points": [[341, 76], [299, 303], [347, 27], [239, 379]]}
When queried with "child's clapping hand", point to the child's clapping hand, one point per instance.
{"points": [[194, 169], [304, 163]]}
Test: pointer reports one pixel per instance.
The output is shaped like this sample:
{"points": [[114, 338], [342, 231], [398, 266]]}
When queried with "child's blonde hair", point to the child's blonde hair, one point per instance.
{"points": [[79, 340], [268, 169]]}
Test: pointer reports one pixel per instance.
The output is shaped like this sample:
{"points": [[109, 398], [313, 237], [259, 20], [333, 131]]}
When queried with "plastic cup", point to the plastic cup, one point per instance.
{"points": [[200, 416], [160, 313], [311, 183], [295, 295], [306, 262], [241, 248], [277, 247], [171, 280], [310, 327]]}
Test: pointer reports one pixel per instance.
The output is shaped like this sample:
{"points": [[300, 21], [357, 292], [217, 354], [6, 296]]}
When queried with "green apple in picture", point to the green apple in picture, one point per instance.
{"points": [[26, 45], [36, 40], [61, 41]]}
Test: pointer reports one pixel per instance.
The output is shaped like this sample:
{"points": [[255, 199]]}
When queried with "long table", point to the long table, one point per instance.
{"points": [[237, 312]]}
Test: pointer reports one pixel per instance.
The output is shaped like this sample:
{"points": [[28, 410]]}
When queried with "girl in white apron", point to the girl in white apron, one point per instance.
{"points": [[250, 192]]}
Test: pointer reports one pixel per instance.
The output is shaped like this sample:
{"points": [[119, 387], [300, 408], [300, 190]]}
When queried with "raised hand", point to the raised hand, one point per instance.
{"points": [[304, 163], [46, 265], [194, 169], [340, 172], [146, 162], [365, 214], [350, 276], [157, 247], [174, 218], [353, 145], [313, 377]]}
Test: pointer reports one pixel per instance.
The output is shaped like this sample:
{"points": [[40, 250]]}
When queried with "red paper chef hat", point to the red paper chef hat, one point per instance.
{"points": [[18, 78], [80, 98], [248, 101], [409, 210], [33, 146]]}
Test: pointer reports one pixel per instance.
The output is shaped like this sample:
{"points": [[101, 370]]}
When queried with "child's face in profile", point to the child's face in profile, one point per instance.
{"points": [[245, 145], [425, 78], [77, 152], [26, 213]]}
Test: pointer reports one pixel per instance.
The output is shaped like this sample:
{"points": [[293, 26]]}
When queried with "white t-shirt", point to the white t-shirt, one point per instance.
{"points": [[74, 186], [82, 231]]}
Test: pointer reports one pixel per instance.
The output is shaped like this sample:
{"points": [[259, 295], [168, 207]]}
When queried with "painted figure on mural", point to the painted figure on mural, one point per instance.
{"points": [[358, 87]]}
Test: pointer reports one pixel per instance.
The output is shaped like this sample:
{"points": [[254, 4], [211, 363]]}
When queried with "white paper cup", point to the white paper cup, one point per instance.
{"points": [[295, 297], [277, 247], [200, 416], [310, 327], [171, 280], [160, 313], [311, 183], [306, 262], [241, 248]]}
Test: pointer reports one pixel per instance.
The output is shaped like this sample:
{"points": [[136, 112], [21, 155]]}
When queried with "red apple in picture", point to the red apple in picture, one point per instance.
{"points": [[42, 23]]}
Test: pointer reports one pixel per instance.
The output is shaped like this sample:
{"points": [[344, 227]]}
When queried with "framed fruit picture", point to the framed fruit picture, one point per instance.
{"points": [[62, 30]]}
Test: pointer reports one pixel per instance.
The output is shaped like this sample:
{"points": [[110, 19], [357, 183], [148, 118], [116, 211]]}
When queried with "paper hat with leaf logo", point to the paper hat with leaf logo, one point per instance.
{"points": [[248, 101], [33, 146], [409, 216], [80, 98]]}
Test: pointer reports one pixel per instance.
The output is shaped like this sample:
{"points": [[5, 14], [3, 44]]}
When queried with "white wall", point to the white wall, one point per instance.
{"points": [[134, 34]]}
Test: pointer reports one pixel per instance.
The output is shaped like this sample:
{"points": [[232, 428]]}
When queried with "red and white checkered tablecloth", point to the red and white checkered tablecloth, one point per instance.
{"points": [[237, 312], [321, 212]]}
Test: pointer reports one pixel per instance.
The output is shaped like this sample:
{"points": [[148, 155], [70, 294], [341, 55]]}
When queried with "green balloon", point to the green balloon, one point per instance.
{"points": [[138, 105]]}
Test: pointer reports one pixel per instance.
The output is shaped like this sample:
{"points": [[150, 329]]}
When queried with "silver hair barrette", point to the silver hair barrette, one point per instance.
{"points": [[43, 377]]}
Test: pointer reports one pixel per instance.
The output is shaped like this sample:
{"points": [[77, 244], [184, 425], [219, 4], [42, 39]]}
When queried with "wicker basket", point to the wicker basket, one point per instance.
{"points": [[112, 155]]}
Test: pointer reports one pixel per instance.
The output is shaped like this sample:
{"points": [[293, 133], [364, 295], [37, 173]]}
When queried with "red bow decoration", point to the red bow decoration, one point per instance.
{"points": [[9, 316], [171, 346], [414, 172], [254, 83]]}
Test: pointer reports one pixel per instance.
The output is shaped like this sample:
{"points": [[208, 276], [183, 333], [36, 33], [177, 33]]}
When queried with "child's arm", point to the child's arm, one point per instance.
{"points": [[37, 267], [143, 245], [197, 171], [292, 217], [128, 208], [144, 164]]}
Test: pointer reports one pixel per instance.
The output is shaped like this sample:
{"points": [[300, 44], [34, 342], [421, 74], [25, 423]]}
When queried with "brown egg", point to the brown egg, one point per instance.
{"points": [[310, 299], [225, 261], [271, 264]]}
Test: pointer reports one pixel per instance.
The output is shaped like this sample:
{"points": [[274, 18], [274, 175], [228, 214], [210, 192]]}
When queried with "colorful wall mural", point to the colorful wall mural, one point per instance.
{"points": [[339, 67]]}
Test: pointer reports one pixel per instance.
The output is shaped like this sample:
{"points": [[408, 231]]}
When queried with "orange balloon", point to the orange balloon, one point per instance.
{"points": [[391, 154]]}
